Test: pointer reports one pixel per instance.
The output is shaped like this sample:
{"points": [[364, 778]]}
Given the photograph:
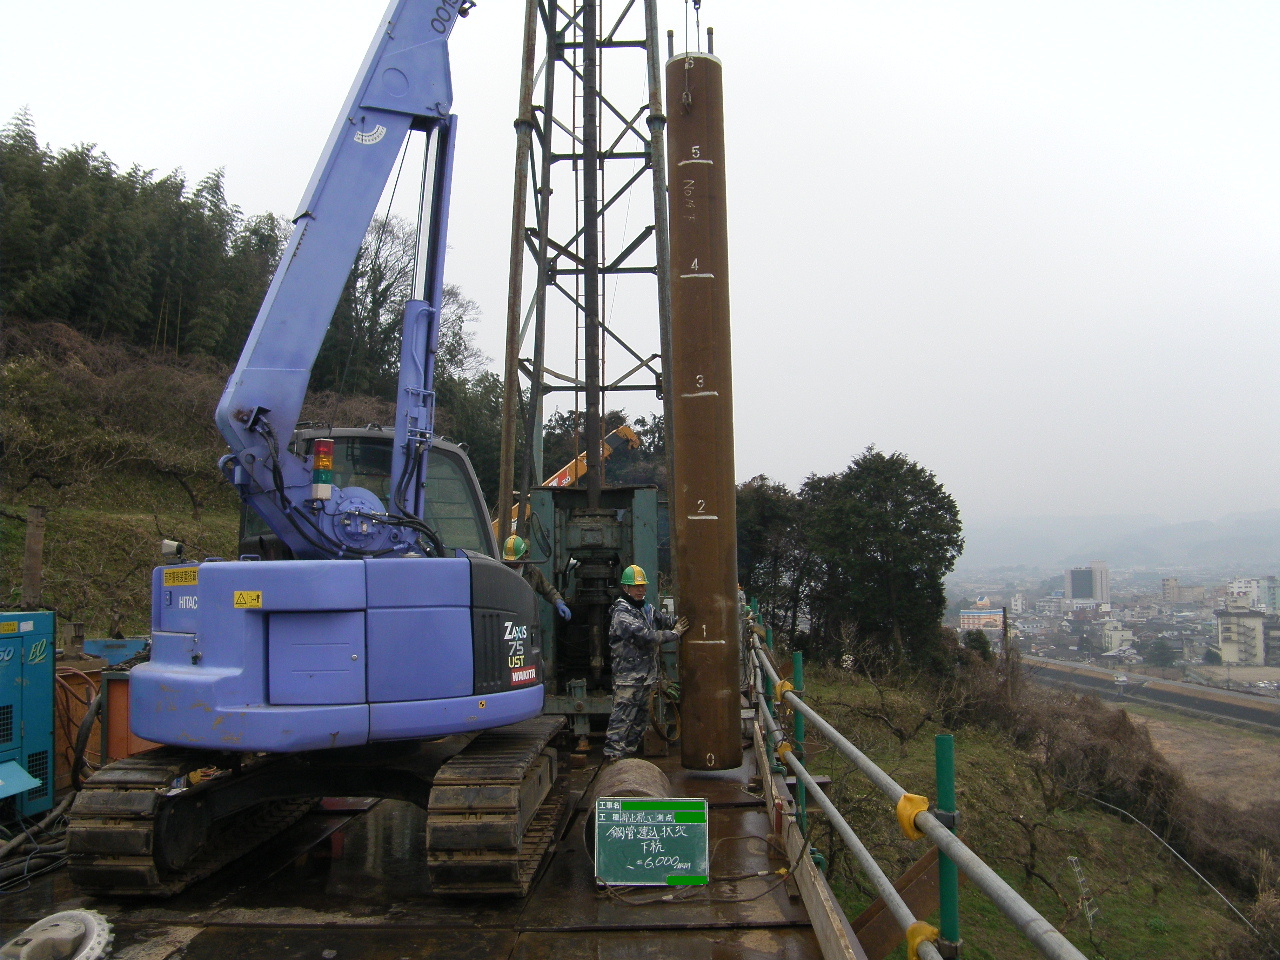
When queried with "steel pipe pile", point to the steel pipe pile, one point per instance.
{"points": [[703, 491]]}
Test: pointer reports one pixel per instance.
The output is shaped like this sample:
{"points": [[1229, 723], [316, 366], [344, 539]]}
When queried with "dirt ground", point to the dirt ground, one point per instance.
{"points": [[1240, 674], [1223, 762]]}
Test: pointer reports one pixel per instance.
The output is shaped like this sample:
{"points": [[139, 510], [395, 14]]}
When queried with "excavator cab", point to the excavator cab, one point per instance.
{"points": [[362, 457]]}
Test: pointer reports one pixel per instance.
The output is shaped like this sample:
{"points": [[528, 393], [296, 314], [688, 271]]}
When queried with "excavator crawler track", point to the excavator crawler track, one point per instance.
{"points": [[137, 827], [117, 822], [495, 810]]}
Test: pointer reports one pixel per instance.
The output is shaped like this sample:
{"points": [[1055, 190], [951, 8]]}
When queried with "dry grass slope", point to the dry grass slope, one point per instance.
{"points": [[121, 446]]}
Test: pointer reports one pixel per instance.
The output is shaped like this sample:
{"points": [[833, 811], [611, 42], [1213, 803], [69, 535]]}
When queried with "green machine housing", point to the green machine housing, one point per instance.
{"points": [[583, 551]]}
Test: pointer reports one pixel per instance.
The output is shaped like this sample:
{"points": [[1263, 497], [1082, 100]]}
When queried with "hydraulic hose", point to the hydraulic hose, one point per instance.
{"points": [[82, 737]]}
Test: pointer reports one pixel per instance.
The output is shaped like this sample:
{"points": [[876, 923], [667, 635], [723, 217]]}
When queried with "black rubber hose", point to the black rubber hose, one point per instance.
{"points": [[82, 736]]}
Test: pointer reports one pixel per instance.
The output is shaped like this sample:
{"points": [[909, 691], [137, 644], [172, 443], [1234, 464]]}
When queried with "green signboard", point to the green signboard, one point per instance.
{"points": [[651, 842]]}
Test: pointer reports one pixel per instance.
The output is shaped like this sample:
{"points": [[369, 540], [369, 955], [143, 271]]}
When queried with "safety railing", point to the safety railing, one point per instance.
{"points": [[914, 815]]}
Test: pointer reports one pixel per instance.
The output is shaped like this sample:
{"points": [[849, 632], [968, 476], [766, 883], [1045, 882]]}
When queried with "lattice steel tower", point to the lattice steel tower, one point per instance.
{"points": [[589, 256]]}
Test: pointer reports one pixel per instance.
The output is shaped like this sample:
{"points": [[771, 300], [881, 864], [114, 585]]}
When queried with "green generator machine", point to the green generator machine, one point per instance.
{"points": [[583, 551], [27, 656]]}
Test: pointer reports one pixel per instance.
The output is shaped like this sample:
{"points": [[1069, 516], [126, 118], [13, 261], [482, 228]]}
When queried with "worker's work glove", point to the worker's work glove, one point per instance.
{"points": [[562, 608], [681, 627]]}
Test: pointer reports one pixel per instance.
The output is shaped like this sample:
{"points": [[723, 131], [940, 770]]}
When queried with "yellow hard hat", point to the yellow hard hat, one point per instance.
{"points": [[514, 548], [634, 576]]}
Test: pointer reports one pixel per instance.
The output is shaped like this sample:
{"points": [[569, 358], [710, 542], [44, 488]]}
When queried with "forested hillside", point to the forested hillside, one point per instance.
{"points": [[156, 267], [119, 444], [128, 254]]}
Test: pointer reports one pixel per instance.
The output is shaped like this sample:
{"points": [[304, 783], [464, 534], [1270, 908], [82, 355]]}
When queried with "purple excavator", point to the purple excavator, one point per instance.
{"points": [[373, 644]]}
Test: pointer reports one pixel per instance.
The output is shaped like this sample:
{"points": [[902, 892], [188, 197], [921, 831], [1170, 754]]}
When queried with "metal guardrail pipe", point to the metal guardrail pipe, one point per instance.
{"points": [[773, 732], [886, 784], [765, 664], [1025, 917], [884, 886]]}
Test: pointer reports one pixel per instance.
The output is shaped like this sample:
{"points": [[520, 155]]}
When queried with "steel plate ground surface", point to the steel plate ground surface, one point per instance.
{"points": [[356, 883], [339, 943], [778, 943]]}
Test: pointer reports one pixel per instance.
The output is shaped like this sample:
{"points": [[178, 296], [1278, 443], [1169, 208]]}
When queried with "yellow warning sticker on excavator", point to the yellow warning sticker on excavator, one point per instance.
{"points": [[10, 627], [182, 576], [247, 599]]}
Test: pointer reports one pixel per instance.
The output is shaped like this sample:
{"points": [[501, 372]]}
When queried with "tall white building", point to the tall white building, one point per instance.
{"points": [[1256, 593], [1244, 592], [1101, 581], [1089, 583]]}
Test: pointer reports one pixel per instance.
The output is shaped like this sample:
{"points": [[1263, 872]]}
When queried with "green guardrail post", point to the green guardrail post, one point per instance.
{"points": [[948, 875], [768, 684], [797, 681]]}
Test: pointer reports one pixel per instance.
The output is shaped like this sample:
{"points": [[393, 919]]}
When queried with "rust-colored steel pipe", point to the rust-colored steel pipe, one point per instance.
{"points": [[703, 492], [632, 777]]}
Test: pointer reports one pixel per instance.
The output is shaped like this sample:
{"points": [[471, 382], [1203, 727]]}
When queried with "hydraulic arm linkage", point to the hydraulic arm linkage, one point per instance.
{"points": [[404, 85]]}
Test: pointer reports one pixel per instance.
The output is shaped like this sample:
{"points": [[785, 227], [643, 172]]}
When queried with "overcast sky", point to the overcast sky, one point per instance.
{"points": [[1033, 246]]}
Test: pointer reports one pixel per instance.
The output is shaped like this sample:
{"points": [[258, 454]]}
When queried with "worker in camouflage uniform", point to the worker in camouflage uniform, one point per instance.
{"points": [[515, 555], [636, 632]]}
